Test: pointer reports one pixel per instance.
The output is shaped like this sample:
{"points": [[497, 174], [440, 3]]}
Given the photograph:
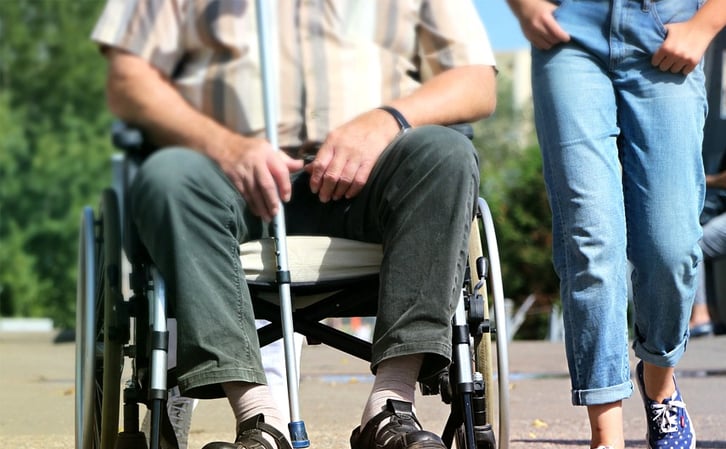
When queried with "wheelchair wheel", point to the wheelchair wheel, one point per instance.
{"points": [[497, 392], [99, 342]]}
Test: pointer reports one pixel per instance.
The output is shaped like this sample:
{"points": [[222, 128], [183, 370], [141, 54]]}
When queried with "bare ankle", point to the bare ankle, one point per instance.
{"points": [[658, 382], [606, 425]]}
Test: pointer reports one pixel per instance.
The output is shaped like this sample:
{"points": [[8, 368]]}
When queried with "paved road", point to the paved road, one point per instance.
{"points": [[37, 397]]}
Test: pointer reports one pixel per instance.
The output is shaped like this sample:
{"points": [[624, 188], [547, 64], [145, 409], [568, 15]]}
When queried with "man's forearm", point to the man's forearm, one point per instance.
{"points": [[458, 95], [140, 95]]}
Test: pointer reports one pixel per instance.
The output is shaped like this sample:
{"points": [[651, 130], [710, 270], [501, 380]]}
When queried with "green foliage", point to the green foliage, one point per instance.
{"points": [[54, 150], [523, 219], [54, 153], [513, 186]]}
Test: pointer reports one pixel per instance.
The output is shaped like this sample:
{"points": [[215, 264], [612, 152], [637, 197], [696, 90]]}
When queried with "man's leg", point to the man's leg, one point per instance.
{"points": [[418, 203], [191, 220], [180, 408], [273, 360]]}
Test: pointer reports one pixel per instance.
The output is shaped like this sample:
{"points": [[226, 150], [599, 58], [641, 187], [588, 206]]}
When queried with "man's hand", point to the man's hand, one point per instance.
{"points": [[538, 23], [346, 158], [141, 94], [261, 174], [683, 48]]}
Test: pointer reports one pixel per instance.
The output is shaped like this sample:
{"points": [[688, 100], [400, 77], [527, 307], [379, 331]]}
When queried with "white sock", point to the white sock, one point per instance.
{"points": [[248, 400], [395, 379]]}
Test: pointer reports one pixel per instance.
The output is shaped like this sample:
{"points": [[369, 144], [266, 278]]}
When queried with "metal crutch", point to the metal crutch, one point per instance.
{"points": [[268, 44]]}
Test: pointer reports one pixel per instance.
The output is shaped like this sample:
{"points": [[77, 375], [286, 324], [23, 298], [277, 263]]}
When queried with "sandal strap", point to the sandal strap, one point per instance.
{"points": [[249, 435]]}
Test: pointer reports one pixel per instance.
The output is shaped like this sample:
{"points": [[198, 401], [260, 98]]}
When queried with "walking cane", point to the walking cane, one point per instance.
{"points": [[266, 19]]}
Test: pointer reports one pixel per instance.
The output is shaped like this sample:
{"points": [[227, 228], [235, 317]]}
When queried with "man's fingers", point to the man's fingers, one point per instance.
{"points": [[330, 179], [267, 190], [359, 181], [254, 201], [345, 181], [280, 168], [318, 167]]}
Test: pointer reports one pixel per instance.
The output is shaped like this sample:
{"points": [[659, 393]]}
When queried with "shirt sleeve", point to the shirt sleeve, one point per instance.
{"points": [[451, 34], [150, 29]]}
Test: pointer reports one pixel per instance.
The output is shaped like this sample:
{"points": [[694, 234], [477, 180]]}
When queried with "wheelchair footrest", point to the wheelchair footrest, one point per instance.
{"points": [[437, 384], [131, 440], [484, 437]]}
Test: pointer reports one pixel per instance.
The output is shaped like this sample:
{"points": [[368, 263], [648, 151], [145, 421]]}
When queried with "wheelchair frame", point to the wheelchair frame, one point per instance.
{"points": [[111, 328]]}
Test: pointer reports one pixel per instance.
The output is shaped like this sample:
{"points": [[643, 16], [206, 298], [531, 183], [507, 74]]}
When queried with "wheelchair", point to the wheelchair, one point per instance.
{"points": [[118, 324]]}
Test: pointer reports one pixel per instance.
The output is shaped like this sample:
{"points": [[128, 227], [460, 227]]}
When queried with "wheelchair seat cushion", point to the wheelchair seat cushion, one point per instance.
{"points": [[311, 259]]}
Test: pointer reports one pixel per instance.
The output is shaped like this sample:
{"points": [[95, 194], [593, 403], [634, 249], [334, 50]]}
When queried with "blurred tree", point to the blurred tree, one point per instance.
{"points": [[54, 158], [54, 150], [513, 186]]}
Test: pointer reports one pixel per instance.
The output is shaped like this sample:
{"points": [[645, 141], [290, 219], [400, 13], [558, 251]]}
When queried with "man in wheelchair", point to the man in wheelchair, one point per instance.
{"points": [[365, 88]]}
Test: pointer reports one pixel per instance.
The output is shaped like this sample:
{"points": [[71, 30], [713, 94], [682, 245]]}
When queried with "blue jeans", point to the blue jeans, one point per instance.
{"points": [[621, 147]]}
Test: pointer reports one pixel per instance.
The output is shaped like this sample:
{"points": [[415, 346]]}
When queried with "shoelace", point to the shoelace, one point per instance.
{"points": [[666, 415]]}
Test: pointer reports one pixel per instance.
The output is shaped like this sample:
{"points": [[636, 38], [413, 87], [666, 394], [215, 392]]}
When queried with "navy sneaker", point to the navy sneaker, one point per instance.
{"points": [[669, 426]]}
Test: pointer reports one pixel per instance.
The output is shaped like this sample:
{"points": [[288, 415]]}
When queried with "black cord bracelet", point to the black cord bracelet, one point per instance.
{"points": [[402, 122]]}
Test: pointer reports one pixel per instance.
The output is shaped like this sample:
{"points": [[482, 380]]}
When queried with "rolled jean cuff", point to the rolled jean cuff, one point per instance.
{"points": [[599, 396], [667, 360], [207, 384], [436, 356]]}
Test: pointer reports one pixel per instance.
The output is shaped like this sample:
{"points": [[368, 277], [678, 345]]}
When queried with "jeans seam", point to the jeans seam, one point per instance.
{"points": [[237, 266]]}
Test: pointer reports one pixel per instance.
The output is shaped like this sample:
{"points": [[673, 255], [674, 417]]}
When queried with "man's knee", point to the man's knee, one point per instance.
{"points": [[173, 173], [171, 166], [444, 147]]}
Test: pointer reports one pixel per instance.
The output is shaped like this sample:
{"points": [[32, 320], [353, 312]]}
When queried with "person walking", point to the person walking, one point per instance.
{"points": [[620, 104]]}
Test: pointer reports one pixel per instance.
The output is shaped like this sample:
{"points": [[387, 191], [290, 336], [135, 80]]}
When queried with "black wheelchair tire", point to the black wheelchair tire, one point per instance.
{"points": [[99, 351]]}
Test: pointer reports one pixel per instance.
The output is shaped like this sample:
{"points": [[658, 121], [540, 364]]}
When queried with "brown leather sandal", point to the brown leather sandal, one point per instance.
{"points": [[249, 436], [402, 431]]}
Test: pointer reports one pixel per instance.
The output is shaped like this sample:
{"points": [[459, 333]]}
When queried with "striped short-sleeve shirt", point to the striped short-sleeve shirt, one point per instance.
{"points": [[336, 58]]}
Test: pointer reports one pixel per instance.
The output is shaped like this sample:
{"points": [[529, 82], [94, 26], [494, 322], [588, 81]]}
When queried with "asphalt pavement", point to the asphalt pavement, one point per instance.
{"points": [[37, 397]]}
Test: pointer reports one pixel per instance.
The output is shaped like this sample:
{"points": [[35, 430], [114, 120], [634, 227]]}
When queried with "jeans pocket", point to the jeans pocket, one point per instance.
{"points": [[673, 11], [564, 15], [561, 6]]}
